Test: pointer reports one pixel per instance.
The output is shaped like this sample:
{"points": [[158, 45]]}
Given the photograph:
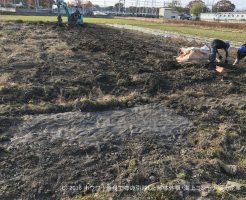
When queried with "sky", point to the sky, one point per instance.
{"points": [[240, 4]]}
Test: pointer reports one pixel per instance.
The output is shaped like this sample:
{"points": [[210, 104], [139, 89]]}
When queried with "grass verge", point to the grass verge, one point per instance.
{"points": [[226, 34]]}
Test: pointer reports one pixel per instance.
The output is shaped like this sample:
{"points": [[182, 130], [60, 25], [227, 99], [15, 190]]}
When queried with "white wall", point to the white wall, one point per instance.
{"points": [[223, 16], [4, 9]]}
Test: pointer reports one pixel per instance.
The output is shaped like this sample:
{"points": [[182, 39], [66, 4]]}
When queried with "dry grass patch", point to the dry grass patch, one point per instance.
{"points": [[5, 81], [60, 48], [4, 78], [110, 101]]}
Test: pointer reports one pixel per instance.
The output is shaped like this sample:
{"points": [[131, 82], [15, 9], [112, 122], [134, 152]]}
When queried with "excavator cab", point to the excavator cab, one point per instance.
{"points": [[74, 19]]}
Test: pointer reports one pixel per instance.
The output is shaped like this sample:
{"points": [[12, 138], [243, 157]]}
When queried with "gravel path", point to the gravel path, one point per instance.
{"points": [[167, 34]]}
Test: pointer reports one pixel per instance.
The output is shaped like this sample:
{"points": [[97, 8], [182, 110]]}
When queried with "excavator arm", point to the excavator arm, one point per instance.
{"points": [[64, 5], [61, 3]]}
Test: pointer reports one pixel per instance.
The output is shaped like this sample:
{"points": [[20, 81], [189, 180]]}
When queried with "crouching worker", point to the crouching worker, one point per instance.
{"points": [[241, 53], [215, 45]]}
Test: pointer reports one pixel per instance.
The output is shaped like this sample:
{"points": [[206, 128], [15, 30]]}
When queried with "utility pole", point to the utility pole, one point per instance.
{"points": [[137, 7], [119, 7], [152, 8], [83, 7], [145, 7], [212, 6], [124, 6], [36, 5]]}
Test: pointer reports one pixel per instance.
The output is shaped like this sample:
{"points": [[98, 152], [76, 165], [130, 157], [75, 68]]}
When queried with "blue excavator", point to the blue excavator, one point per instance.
{"points": [[73, 19]]}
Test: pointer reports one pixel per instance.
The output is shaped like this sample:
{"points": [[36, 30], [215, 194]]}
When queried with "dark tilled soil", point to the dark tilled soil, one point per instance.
{"points": [[48, 71]]}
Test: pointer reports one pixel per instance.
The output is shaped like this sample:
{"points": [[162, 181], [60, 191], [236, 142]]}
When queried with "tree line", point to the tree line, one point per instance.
{"points": [[194, 7]]}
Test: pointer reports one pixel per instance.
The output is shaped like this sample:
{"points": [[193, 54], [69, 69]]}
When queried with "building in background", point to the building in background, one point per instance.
{"points": [[168, 13]]}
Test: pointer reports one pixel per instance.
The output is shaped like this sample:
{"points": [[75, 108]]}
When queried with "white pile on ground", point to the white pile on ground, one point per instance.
{"points": [[95, 127], [194, 55]]}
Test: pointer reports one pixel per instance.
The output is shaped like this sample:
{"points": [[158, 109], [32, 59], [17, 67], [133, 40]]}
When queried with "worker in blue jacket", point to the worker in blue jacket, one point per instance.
{"points": [[241, 53]]}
